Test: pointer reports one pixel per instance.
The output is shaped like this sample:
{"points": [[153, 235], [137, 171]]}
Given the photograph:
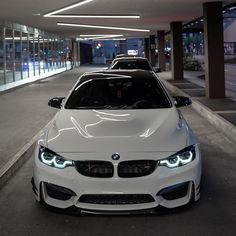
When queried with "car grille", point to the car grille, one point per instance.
{"points": [[98, 169], [130, 169], [116, 199]]}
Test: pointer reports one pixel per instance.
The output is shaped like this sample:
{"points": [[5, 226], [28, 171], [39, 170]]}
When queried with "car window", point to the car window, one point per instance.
{"points": [[118, 93], [131, 64]]}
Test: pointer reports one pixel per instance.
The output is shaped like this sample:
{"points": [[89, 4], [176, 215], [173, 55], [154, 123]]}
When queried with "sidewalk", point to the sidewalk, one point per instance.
{"points": [[219, 112]]}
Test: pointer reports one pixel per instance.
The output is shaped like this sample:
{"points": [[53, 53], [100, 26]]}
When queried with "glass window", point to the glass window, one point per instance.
{"points": [[17, 40], [9, 55], [25, 55], [56, 54], [31, 55], [43, 64], [1, 58], [45, 49], [49, 53], [121, 92], [36, 55], [62, 53]]}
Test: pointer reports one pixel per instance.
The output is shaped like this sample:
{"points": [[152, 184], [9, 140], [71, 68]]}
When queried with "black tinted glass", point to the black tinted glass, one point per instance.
{"points": [[119, 93], [131, 65]]}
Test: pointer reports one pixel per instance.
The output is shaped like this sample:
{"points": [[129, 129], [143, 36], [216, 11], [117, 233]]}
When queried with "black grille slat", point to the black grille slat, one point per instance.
{"points": [[97, 169], [130, 169], [116, 199]]}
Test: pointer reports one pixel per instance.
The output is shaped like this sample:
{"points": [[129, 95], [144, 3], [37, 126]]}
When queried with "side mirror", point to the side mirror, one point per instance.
{"points": [[157, 70], [182, 101], [56, 102]]}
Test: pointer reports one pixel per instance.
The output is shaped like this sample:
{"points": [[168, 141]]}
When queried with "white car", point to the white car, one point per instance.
{"points": [[117, 144], [132, 63]]}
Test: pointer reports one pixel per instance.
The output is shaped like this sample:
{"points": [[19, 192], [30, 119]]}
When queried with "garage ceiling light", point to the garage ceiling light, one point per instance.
{"points": [[55, 13], [113, 39], [95, 16], [101, 35], [101, 27], [67, 8]]}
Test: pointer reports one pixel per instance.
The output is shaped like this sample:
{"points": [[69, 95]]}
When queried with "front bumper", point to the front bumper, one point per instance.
{"points": [[167, 187]]}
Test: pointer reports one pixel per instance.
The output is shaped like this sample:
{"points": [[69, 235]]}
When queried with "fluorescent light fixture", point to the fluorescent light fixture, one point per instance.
{"points": [[108, 37], [101, 35], [67, 7], [232, 8], [95, 16], [101, 27], [114, 39]]}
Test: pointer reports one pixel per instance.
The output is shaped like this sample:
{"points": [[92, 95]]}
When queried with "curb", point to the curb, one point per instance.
{"points": [[10, 168], [219, 122]]}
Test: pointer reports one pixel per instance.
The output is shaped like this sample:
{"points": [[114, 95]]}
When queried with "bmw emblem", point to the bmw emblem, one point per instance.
{"points": [[115, 156]]}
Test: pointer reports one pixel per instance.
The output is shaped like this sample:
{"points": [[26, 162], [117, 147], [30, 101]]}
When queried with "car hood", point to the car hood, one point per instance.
{"points": [[89, 131]]}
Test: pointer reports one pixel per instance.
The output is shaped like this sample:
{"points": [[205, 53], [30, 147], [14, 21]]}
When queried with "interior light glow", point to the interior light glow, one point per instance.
{"points": [[101, 27], [67, 8], [95, 16]]}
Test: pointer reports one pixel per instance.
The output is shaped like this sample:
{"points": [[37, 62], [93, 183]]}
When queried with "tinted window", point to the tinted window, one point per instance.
{"points": [[131, 65], [118, 93]]}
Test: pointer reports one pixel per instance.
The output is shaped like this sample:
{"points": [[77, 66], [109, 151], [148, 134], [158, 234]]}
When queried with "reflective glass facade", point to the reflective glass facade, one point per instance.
{"points": [[29, 53]]}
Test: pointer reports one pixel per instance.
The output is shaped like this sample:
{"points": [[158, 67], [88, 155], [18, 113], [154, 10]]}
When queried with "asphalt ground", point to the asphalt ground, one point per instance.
{"points": [[214, 214]]}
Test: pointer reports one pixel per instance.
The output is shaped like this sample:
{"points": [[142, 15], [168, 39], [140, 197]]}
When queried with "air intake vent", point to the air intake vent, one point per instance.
{"points": [[130, 169], [116, 199], [97, 169]]}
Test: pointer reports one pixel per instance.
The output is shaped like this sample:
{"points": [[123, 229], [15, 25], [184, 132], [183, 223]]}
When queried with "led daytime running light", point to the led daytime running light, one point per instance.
{"points": [[179, 159], [55, 161]]}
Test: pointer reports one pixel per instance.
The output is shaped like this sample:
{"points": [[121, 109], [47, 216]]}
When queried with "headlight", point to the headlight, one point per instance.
{"points": [[181, 158], [52, 159]]}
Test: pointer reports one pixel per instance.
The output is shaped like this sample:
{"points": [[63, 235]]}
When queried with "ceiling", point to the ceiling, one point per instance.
{"points": [[155, 14]]}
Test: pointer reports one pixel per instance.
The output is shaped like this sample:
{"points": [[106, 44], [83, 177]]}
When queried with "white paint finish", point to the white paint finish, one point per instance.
{"points": [[136, 135], [131, 130]]}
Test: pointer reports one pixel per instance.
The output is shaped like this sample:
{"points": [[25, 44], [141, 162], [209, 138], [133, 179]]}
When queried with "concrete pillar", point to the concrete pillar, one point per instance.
{"points": [[161, 49], [123, 47], [146, 48], [176, 50], [214, 50], [152, 50]]}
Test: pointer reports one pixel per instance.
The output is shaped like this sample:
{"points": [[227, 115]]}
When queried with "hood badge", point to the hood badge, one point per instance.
{"points": [[115, 157]]}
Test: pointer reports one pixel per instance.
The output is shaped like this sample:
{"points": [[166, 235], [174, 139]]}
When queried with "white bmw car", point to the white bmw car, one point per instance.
{"points": [[117, 144]]}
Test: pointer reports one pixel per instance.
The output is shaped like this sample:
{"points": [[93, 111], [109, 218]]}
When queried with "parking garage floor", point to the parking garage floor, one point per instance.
{"points": [[20, 214]]}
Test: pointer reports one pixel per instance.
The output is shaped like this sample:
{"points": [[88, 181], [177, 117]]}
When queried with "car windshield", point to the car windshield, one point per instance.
{"points": [[118, 93], [131, 65]]}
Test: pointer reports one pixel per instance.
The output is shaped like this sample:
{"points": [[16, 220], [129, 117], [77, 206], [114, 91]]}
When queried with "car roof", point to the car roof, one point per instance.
{"points": [[135, 74], [131, 59], [124, 55]]}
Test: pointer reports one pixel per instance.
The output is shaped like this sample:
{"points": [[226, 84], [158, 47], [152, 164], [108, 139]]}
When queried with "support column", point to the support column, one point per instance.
{"points": [[214, 50], [146, 48], [123, 47], [161, 49], [176, 50], [152, 50]]}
